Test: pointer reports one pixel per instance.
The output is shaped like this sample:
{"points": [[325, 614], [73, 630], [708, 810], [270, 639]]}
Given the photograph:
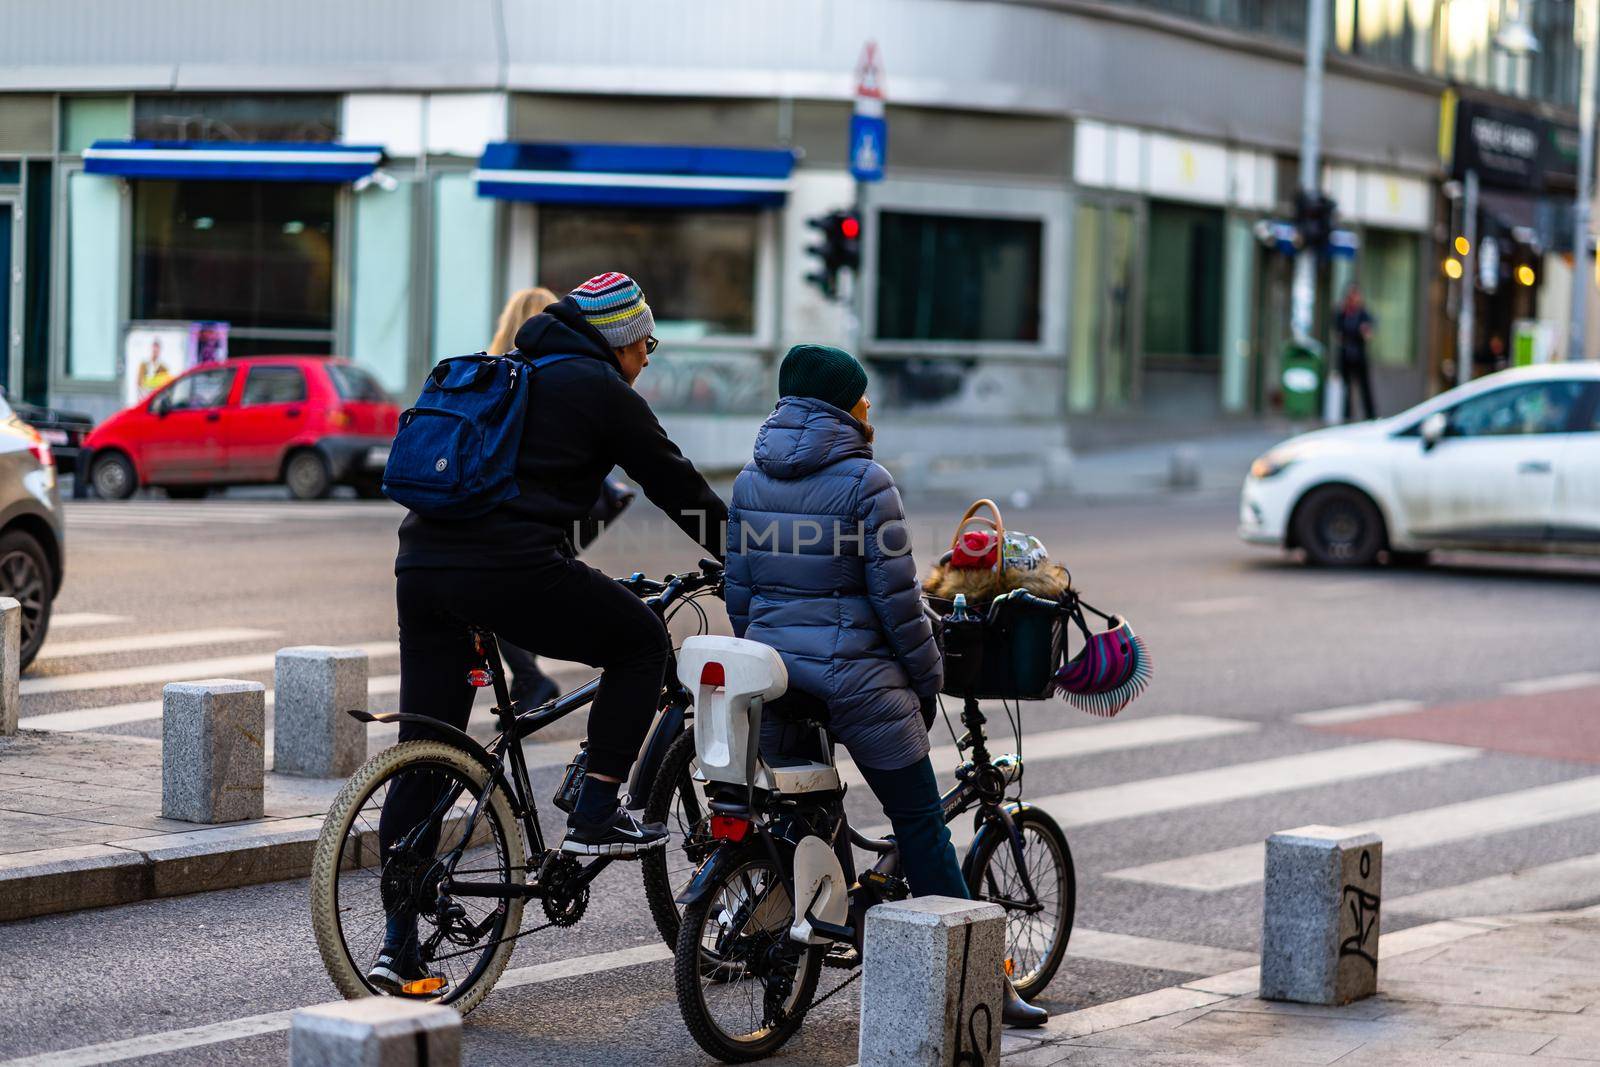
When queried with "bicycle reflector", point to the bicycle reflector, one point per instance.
{"points": [[479, 677], [729, 828], [713, 675], [423, 986]]}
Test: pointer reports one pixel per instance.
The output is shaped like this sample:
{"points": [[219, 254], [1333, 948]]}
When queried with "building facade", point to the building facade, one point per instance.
{"points": [[1073, 231]]}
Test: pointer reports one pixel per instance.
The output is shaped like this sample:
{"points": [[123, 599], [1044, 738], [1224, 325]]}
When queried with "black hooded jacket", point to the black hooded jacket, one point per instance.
{"points": [[583, 419]]}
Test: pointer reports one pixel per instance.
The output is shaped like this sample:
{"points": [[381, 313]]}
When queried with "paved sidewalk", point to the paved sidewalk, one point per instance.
{"points": [[1507, 990]]}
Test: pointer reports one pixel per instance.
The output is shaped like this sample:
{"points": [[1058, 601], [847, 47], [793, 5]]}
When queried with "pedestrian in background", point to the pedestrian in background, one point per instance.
{"points": [[523, 305], [1352, 328]]}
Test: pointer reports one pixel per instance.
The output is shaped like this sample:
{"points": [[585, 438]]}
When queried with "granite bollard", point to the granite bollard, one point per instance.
{"points": [[213, 760], [10, 664], [375, 1032], [932, 987], [314, 687], [1319, 931]]}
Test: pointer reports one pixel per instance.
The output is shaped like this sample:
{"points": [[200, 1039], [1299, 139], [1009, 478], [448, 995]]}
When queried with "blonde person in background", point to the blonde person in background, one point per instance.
{"points": [[523, 305]]}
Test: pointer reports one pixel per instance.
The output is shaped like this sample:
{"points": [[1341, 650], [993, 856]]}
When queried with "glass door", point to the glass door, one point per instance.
{"points": [[1103, 374]]}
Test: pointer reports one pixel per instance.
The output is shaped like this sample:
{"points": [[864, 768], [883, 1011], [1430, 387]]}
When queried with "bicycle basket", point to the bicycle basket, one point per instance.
{"points": [[1020, 652]]}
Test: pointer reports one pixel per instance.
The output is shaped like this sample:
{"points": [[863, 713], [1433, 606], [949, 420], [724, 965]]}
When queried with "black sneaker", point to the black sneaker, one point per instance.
{"points": [[618, 835], [395, 968]]}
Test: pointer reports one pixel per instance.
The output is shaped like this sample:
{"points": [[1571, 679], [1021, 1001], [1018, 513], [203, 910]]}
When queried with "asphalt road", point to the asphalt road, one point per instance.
{"points": [[1243, 641]]}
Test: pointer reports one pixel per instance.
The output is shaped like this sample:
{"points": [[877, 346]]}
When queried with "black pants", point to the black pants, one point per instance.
{"points": [[559, 607], [1355, 372]]}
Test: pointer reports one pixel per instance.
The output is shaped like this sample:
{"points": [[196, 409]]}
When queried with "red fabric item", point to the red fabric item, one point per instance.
{"points": [[976, 550]]}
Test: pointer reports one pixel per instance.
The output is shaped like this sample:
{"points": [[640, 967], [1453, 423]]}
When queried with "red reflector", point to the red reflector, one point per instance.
{"points": [[713, 674], [729, 828], [479, 678]]}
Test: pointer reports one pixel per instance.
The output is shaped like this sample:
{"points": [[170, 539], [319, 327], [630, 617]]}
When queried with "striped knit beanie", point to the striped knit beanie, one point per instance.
{"points": [[614, 304]]}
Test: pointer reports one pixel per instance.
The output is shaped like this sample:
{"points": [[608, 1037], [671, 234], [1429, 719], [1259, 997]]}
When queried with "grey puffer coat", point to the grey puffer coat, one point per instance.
{"points": [[820, 568]]}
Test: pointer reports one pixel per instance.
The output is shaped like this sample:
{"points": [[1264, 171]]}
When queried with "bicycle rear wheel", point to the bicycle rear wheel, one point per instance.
{"points": [[675, 800], [743, 986], [354, 889], [1036, 936]]}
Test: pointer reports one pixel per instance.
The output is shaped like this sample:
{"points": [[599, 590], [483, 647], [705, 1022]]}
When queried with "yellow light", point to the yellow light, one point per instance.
{"points": [[1463, 246], [1011, 967], [1452, 267], [422, 986], [1525, 275]]}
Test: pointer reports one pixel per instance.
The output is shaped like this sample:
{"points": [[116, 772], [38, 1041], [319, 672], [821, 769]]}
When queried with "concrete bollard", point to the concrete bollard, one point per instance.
{"points": [[1183, 468], [10, 664], [213, 760], [1319, 934], [375, 1032], [312, 735], [931, 989]]}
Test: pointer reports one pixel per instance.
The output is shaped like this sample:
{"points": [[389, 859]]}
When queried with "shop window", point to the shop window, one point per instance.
{"points": [[94, 224], [697, 268], [87, 119], [1389, 284], [257, 255], [958, 278], [1183, 282], [231, 117]]}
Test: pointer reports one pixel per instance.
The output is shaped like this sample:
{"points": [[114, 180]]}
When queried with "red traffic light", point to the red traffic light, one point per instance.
{"points": [[850, 226]]}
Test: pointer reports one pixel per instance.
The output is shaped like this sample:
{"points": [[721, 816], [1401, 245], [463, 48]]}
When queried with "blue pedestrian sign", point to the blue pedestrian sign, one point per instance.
{"points": [[869, 138]]}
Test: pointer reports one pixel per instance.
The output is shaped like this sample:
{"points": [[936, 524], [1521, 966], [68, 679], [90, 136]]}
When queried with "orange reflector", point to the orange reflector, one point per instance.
{"points": [[478, 678], [729, 828], [1011, 967], [422, 987], [713, 674]]}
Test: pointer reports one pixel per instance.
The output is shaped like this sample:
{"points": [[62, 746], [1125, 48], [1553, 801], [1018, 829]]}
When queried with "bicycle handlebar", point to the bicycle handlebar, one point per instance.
{"points": [[673, 586]]}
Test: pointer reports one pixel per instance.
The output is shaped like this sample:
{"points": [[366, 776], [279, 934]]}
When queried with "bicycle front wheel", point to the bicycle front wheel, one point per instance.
{"points": [[359, 895], [1037, 926], [675, 800]]}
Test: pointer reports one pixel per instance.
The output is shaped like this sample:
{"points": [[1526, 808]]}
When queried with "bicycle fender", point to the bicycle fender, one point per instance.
{"points": [[668, 726], [706, 878], [460, 738], [1003, 826]]}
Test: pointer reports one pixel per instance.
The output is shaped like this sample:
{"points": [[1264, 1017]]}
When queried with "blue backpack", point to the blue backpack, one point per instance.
{"points": [[455, 455]]}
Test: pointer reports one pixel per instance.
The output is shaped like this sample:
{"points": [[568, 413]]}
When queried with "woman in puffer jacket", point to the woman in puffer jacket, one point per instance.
{"points": [[819, 568]]}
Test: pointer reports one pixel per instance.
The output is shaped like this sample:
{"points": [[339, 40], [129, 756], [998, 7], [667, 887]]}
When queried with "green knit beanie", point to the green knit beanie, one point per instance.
{"points": [[823, 373]]}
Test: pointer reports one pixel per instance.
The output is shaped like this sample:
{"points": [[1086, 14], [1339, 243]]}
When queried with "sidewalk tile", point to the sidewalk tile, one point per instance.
{"points": [[1161, 1002], [1585, 1049], [1303, 1050], [1487, 1039]]}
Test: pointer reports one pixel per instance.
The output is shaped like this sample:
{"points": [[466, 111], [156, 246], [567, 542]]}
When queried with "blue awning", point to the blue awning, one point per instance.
{"points": [[230, 161], [635, 175]]}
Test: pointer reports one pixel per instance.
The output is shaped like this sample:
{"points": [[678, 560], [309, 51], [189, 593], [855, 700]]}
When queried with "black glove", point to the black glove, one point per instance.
{"points": [[930, 710]]}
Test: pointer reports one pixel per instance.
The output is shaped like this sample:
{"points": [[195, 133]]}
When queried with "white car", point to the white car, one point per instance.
{"points": [[1510, 462]]}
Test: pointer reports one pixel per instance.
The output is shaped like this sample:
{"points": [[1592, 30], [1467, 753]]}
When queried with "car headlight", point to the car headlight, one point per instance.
{"points": [[1270, 464]]}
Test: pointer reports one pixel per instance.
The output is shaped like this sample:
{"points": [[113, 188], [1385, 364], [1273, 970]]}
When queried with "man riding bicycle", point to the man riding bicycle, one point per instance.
{"points": [[512, 571]]}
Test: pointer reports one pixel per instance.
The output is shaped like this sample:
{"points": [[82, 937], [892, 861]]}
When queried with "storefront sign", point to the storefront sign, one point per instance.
{"points": [[1509, 149], [869, 129]]}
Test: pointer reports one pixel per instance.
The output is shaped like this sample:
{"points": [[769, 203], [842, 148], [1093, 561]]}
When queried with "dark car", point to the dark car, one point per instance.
{"points": [[32, 549], [307, 422], [63, 430]]}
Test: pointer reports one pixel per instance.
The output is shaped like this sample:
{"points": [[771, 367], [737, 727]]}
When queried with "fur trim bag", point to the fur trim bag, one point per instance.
{"points": [[985, 560]]}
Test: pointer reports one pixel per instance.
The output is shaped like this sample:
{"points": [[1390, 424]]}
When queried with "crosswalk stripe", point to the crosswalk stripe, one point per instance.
{"points": [[1556, 684], [1229, 868], [1154, 952], [68, 619], [175, 672], [145, 710], [1356, 712], [1560, 886], [149, 642]]}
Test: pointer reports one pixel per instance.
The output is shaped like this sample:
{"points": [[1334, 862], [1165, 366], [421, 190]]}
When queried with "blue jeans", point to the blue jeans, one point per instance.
{"points": [[910, 797]]}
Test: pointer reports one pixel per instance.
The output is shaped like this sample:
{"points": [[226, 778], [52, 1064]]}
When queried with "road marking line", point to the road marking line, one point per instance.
{"points": [[176, 672], [1356, 712], [1156, 953], [68, 619], [1560, 886], [148, 642], [276, 1021], [1216, 605], [1230, 868], [145, 710], [1556, 684]]}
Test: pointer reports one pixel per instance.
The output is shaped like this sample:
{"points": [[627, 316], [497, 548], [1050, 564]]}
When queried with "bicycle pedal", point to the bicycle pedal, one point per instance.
{"points": [[885, 885]]}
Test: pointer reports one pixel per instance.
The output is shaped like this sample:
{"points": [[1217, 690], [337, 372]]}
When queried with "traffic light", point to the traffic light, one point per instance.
{"points": [[839, 249], [1313, 217]]}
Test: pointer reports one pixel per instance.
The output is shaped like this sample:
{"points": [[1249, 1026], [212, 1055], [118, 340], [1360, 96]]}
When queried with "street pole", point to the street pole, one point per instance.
{"points": [[1303, 299], [1469, 279], [1577, 326]]}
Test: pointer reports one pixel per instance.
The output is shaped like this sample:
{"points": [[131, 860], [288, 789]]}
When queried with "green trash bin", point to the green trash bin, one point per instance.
{"points": [[1302, 376]]}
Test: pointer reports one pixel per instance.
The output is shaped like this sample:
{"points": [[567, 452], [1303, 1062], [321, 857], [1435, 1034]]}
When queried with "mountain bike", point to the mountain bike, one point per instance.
{"points": [[467, 868], [775, 902]]}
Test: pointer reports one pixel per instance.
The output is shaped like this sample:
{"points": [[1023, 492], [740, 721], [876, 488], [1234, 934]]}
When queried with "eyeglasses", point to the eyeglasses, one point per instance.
{"points": [[650, 344]]}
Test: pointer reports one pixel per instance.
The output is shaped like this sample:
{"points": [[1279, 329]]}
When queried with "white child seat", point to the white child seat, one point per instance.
{"points": [[730, 679]]}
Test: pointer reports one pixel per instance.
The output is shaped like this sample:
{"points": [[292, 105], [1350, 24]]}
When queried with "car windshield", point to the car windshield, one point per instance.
{"points": [[353, 383]]}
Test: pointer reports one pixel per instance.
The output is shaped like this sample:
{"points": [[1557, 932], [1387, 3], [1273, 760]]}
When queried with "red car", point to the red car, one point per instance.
{"points": [[309, 422]]}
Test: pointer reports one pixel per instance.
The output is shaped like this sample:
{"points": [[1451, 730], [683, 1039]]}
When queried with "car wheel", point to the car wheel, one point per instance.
{"points": [[187, 492], [113, 476], [306, 475], [26, 577], [1340, 527]]}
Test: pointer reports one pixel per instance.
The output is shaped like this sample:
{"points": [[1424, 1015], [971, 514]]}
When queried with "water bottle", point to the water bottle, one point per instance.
{"points": [[566, 797], [963, 648]]}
